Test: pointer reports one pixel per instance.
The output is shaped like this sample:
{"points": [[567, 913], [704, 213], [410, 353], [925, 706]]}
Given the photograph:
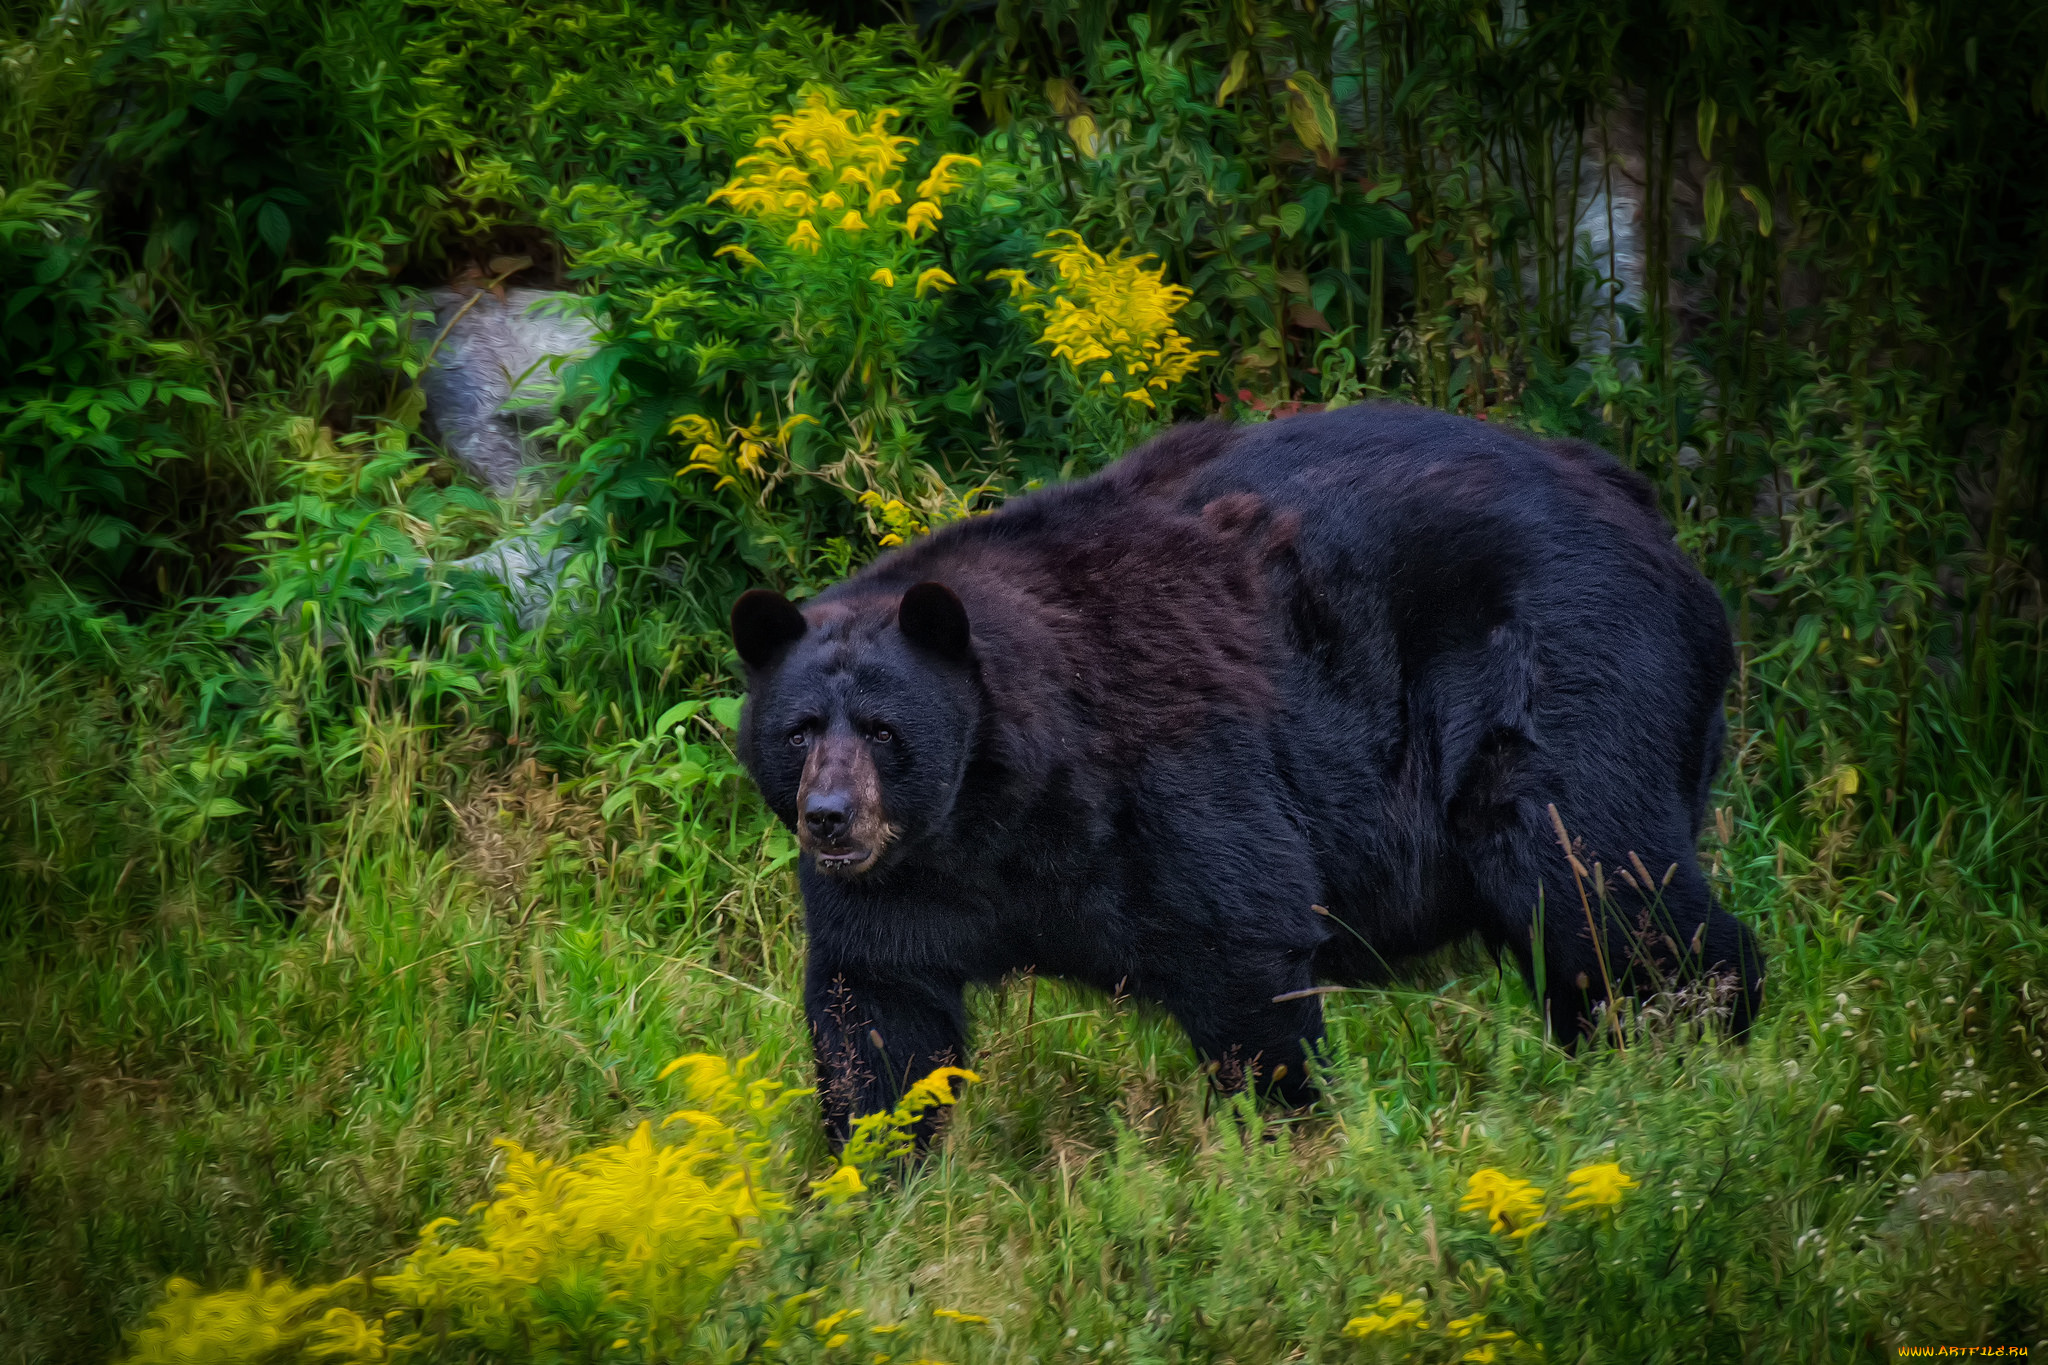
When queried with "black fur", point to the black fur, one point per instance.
{"points": [[1346, 660]]}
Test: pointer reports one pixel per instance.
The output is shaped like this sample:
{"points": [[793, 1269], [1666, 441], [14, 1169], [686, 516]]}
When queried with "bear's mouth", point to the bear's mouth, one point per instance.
{"points": [[845, 862]]}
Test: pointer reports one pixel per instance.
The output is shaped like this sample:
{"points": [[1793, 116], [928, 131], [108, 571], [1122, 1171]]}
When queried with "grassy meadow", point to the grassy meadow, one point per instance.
{"points": [[321, 871]]}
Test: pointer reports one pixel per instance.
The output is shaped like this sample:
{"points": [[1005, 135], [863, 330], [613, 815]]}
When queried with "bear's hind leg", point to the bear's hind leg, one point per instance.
{"points": [[1671, 931], [1731, 947]]}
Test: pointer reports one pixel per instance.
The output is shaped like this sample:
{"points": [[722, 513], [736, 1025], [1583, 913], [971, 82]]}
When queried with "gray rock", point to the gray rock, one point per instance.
{"points": [[530, 563], [495, 375]]}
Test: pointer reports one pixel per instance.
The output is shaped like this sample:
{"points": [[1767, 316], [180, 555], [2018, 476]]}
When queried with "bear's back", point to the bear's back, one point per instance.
{"points": [[1428, 504], [1425, 542]]}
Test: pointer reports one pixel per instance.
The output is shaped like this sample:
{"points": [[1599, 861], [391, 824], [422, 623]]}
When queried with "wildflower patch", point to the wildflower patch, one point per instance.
{"points": [[1109, 319], [620, 1249]]}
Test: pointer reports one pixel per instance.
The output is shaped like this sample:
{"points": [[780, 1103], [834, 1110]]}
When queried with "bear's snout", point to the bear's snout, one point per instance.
{"points": [[827, 815], [839, 806]]}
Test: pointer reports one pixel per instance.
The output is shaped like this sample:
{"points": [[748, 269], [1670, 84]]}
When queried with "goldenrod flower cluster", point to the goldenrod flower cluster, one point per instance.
{"points": [[733, 453], [901, 521], [1516, 1207], [824, 174], [264, 1320], [1391, 1313], [1110, 319], [1397, 1314], [1597, 1187], [1512, 1206], [1488, 1346], [900, 517], [648, 1228], [883, 1139], [658, 1224]]}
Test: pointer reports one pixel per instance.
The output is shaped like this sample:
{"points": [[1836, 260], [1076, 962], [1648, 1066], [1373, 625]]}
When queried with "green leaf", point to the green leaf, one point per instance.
{"points": [[676, 715], [274, 228], [1761, 202], [1293, 217], [726, 711], [1312, 113], [1234, 77]]}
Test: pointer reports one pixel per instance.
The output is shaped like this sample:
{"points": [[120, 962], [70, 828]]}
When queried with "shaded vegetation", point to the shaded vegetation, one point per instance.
{"points": [[319, 870]]}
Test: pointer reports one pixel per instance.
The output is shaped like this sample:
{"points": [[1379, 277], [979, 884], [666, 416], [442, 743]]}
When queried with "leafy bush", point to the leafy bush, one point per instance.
{"points": [[89, 401], [321, 861]]}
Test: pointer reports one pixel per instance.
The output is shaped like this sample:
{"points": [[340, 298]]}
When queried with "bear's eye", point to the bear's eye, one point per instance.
{"points": [[799, 737], [881, 734]]}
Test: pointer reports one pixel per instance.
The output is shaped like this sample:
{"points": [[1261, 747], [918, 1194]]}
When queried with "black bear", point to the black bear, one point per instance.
{"points": [[1252, 708]]}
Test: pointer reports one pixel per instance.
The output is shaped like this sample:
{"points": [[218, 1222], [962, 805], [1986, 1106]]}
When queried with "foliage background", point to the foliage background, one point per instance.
{"points": [[318, 871]]}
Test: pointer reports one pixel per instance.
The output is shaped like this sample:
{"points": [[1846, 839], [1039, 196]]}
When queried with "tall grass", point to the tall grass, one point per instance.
{"points": [[318, 870]]}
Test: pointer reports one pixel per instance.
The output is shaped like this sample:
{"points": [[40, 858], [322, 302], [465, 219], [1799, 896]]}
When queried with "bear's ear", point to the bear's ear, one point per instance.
{"points": [[764, 624], [932, 618]]}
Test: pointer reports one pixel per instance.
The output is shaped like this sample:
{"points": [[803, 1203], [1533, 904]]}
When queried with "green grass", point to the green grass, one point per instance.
{"points": [[206, 1087], [317, 874]]}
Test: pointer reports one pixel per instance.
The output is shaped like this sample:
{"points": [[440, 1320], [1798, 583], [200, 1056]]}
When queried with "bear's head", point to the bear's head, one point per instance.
{"points": [[860, 718]]}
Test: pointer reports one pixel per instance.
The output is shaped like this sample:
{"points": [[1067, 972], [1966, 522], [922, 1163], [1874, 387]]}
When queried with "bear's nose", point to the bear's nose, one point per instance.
{"points": [[827, 814]]}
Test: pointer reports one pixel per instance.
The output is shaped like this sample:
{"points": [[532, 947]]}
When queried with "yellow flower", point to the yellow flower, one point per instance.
{"points": [[940, 182], [654, 1227], [837, 1340], [740, 254], [659, 1224], [254, 1322], [1081, 128], [881, 1138], [971, 1319], [1020, 283], [817, 161], [1600, 1186], [884, 277], [1394, 1314], [343, 1335], [1513, 1206], [730, 454], [1111, 311], [805, 237], [903, 523], [932, 280], [839, 1186]]}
